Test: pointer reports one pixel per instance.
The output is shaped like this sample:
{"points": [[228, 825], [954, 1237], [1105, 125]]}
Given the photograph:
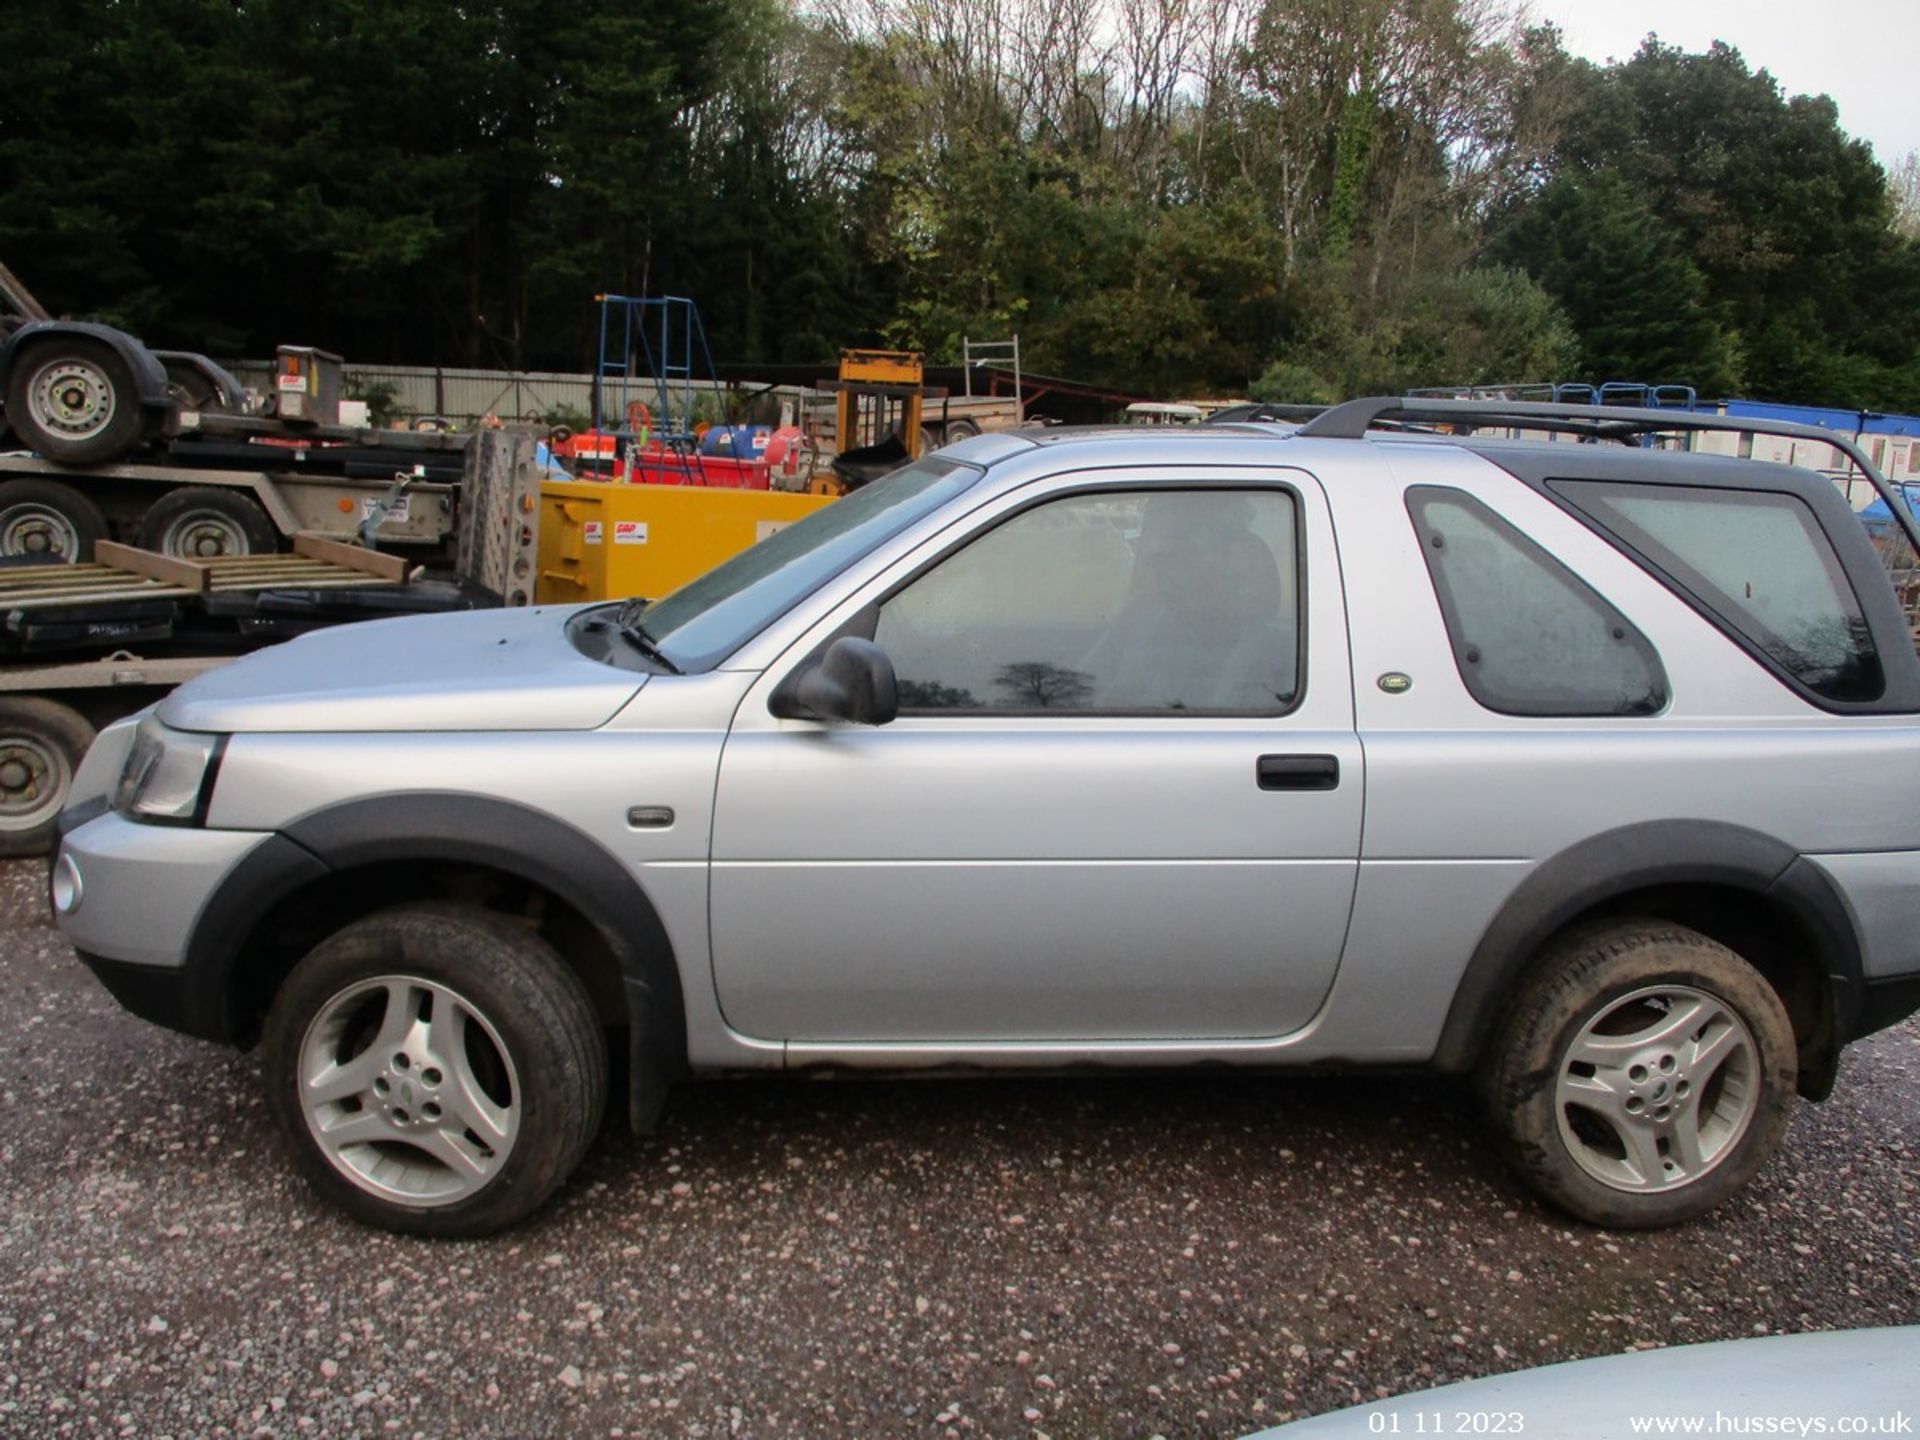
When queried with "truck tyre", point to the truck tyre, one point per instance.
{"points": [[1642, 1075], [41, 745], [47, 521], [958, 430], [436, 1069], [204, 522], [73, 400]]}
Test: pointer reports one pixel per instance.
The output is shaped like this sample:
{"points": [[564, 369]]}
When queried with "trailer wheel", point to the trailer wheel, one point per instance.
{"points": [[958, 430], [200, 522], [73, 400], [47, 521], [41, 745]]}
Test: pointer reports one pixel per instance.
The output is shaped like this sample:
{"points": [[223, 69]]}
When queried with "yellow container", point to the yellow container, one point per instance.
{"points": [[606, 542]]}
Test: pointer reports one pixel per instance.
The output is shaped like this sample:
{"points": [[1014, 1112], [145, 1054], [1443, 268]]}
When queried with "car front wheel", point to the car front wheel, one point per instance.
{"points": [[1642, 1075], [437, 1070]]}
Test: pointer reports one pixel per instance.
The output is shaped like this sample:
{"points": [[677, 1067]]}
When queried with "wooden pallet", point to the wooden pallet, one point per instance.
{"points": [[120, 573]]}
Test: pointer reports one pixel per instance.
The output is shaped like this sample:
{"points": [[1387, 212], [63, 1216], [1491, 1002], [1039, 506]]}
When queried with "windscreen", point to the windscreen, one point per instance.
{"points": [[706, 620]]}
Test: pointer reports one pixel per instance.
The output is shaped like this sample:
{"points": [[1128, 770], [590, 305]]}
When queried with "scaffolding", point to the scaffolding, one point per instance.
{"points": [[982, 354], [653, 363]]}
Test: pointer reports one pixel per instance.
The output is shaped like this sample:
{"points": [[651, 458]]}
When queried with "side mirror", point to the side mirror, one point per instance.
{"points": [[852, 683]]}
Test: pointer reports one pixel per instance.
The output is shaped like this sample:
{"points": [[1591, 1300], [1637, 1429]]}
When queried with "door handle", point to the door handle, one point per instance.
{"points": [[1298, 772]]}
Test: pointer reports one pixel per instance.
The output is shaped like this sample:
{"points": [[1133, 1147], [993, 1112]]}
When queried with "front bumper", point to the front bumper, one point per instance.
{"points": [[141, 888], [158, 993]]}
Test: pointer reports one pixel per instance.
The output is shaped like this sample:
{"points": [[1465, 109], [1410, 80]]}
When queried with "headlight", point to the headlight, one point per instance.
{"points": [[168, 777]]}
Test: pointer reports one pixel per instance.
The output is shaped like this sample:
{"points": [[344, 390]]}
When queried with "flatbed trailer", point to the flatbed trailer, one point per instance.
{"points": [[200, 505], [165, 449], [84, 644]]}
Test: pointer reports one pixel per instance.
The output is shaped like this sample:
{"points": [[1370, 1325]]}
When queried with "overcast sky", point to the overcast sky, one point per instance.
{"points": [[1857, 51]]}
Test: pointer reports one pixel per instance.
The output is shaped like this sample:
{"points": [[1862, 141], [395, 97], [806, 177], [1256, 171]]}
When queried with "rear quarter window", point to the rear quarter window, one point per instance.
{"points": [[1529, 636], [1757, 563]]}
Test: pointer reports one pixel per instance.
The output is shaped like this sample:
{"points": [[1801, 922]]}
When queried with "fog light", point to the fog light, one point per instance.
{"points": [[66, 885]]}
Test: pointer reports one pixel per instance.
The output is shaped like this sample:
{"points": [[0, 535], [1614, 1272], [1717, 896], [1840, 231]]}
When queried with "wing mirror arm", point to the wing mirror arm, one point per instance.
{"points": [[851, 684]]}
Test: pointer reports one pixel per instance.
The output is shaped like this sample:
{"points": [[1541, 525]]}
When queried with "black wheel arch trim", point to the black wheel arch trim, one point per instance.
{"points": [[410, 828], [1647, 856]]}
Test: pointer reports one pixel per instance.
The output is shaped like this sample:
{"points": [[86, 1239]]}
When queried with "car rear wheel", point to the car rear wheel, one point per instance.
{"points": [[1642, 1075], [437, 1070]]}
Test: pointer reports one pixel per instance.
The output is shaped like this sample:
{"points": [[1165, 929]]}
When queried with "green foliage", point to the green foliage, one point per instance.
{"points": [[1336, 197], [1290, 382], [1352, 149], [382, 397], [1638, 303], [1472, 327], [1787, 221]]}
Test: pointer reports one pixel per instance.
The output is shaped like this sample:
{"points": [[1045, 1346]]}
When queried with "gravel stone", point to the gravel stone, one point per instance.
{"points": [[1200, 1256]]}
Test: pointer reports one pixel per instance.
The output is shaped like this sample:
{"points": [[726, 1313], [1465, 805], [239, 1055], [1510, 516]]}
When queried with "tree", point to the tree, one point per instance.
{"points": [[1903, 184], [1034, 684], [1479, 327], [1784, 215], [1637, 304]]}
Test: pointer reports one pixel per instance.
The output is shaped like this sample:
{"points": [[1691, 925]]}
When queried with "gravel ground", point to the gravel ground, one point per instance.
{"points": [[1113, 1257]]}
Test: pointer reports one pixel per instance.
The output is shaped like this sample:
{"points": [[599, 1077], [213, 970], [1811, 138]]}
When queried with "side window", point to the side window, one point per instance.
{"points": [[1529, 636], [1756, 561], [1132, 602]]}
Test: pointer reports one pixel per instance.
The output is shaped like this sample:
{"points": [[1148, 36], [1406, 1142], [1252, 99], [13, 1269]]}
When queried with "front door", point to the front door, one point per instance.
{"points": [[1121, 802]]}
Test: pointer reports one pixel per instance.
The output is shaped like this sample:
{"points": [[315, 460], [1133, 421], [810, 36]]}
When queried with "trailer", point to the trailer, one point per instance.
{"points": [[82, 644], [166, 451]]}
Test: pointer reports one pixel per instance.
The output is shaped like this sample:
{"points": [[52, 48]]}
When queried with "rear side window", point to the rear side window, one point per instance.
{"points": [[1758, 564], [1529, 636]]}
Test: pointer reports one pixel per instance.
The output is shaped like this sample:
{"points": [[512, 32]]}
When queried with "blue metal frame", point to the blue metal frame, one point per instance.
{"points": [[664, 333]]}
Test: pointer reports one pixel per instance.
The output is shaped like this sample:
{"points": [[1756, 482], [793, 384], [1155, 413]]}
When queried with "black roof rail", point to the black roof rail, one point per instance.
{"points": [[1352, 421], [1264, 410]]}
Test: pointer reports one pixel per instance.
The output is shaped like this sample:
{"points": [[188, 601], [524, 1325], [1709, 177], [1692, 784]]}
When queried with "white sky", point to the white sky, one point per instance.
{"points": [[1858, 51]]}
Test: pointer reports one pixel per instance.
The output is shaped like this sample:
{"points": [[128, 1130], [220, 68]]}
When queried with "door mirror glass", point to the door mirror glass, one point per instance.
{"points": [[851, 684]]}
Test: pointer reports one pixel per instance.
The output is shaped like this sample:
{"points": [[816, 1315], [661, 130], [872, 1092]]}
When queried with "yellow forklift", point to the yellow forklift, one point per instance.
{"points": [[877, 414]]}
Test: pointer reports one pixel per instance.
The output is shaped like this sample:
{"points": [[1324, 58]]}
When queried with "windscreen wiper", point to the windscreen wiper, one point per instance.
{"points": [[635, 633]]}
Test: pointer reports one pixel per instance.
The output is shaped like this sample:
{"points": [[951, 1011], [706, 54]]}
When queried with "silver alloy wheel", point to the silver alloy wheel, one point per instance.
{"points": [[34, 778], [204, 535], [30, 528], [71, 397], [408, 1090], [1657, 1088]]}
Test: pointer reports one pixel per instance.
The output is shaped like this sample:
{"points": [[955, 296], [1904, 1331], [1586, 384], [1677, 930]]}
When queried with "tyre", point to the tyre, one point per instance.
{"points": [[1642, 1075], [203, 522], [190, 386], [958, 430], [436, 1069], [47, 521], [73, 401], [929, 439], [41, 745]]}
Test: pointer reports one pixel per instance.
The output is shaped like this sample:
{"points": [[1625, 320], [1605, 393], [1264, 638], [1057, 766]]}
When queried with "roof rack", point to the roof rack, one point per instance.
{"points": [[1352, 421], [1253, 411]]}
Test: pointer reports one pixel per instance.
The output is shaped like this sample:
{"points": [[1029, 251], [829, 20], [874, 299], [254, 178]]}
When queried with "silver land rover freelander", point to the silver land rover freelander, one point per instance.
{"points": [[1589, 770]]}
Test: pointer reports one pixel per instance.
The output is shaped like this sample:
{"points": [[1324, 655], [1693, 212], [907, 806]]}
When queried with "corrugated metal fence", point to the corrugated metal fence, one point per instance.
{"points": [[528, 395]]}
